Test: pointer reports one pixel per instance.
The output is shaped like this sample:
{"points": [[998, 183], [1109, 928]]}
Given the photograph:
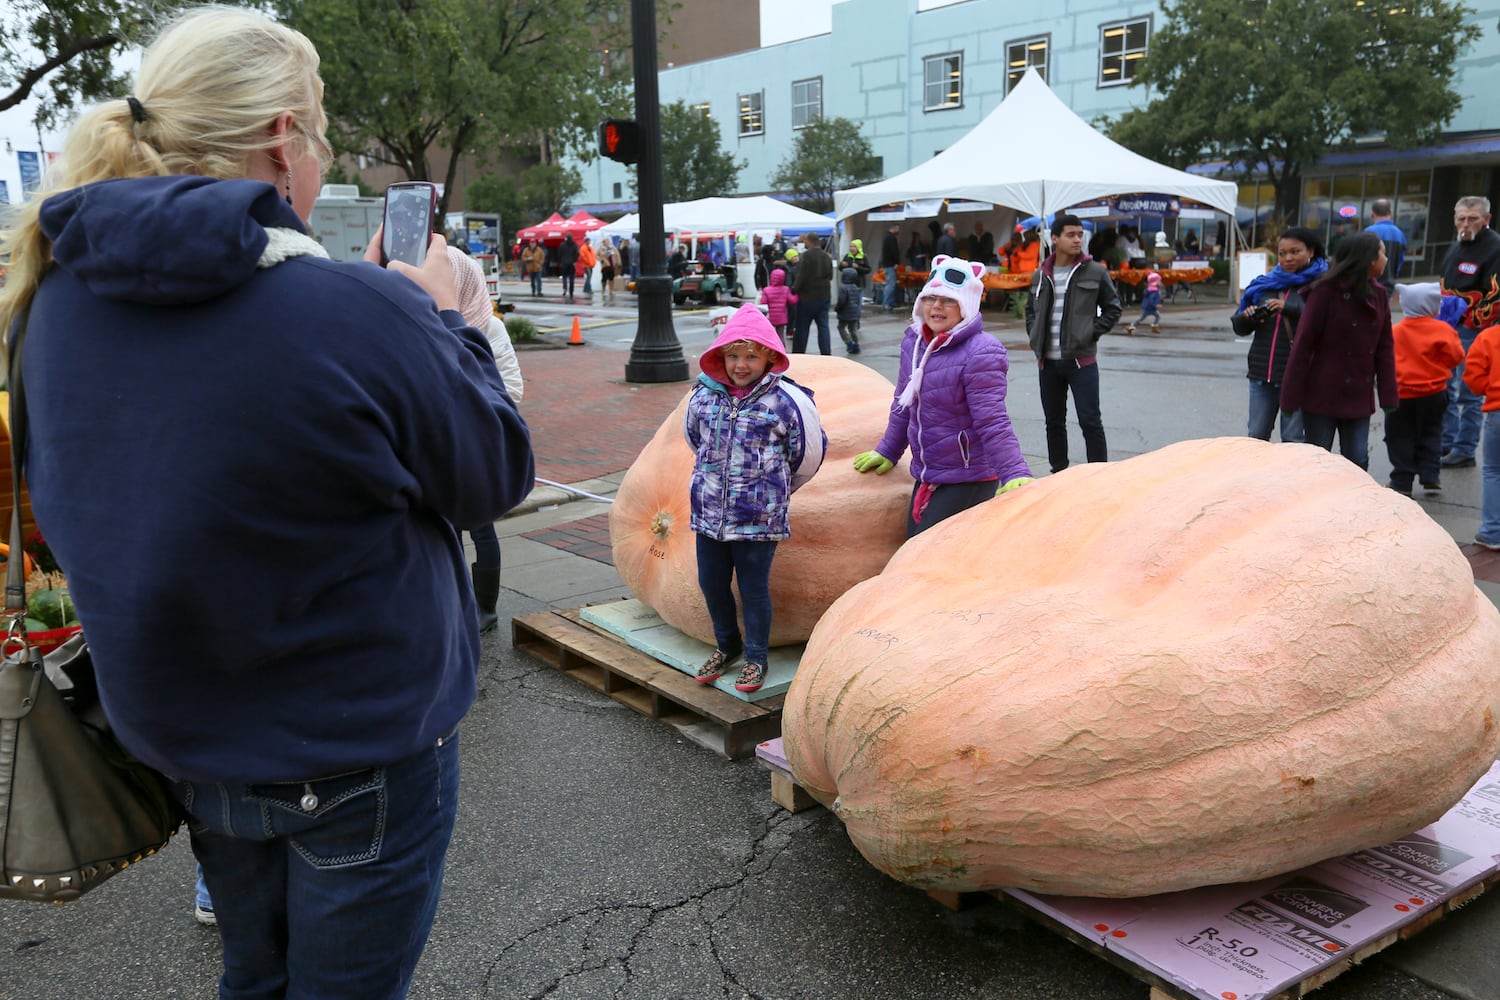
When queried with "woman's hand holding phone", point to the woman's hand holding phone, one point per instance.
{"points": [[435, 276]]}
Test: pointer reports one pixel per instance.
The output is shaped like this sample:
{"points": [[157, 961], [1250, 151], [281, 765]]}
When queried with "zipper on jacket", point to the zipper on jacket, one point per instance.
{"points": [[1271, 358]]}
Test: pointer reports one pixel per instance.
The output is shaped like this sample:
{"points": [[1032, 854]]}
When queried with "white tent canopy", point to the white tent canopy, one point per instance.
{"points": [[717, 215], [1034, 154]]}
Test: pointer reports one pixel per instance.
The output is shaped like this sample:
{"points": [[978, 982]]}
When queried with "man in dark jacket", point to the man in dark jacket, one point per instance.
{"points": [[814, 287], [890, 256], [1072, 304], [948, 242], [567, 257], [1472, 272]]}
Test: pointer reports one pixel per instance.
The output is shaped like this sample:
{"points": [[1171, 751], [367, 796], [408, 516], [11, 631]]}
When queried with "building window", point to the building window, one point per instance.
{"points": [[1024, 54], [617, 189], [1122, 46], [705, 109], [752, 119], [943, 78], [807, 102]]}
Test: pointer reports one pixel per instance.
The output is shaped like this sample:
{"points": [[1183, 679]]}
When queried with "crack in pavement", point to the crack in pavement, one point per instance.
{"points": [[776, 835]]}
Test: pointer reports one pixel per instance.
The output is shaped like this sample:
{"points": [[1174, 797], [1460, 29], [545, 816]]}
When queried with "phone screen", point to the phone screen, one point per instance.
{"points": [[408, 223]]}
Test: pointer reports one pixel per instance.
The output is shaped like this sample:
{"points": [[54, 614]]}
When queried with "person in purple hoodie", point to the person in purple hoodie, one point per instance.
{"points": [[756, 438], [949, 406]]}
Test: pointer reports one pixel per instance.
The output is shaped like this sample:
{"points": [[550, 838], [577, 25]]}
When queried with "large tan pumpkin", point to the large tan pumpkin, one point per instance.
{"points": [[1211, 663], [844, 525]]}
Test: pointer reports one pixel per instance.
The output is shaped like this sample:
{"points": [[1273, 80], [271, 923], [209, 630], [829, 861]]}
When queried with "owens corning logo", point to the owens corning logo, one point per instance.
{"points": [[1316, 901], [1275, 922], [1491, 792], [1424, 853]]}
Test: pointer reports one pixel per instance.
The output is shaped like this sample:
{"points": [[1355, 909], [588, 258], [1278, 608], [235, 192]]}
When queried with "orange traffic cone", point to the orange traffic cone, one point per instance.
{"points": [[576, 340]]}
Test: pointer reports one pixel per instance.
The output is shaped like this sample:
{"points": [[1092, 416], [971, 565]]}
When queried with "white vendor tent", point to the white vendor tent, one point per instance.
{"points": [[717, 215], [1034, 154]]}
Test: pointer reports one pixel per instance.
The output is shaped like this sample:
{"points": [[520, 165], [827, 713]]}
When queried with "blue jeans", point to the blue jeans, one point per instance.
{"points": [[536, 283], [1489, 496], [201, 898], [588, 281], [1265, 403], [1353, 432], [326, 888], [749, 563], [568, 279], [1057, 379], [808, 311], [1461, 422], [892, 288]]}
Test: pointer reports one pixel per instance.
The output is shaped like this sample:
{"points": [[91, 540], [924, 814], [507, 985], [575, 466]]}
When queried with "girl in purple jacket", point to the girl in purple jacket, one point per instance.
{"points": [[950, 403], [756, 437]]}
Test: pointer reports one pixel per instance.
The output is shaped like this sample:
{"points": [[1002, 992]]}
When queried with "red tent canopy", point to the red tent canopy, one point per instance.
{"points": [[581, 222], [550, 232]]}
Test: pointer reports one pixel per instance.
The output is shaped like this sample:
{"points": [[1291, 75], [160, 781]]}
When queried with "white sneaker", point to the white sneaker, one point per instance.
{"points": [[1491, 546], [205, 915]]}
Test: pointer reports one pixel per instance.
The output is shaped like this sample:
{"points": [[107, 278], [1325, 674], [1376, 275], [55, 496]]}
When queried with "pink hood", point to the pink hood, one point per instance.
{"points": [[778, 276], [749, 323]]}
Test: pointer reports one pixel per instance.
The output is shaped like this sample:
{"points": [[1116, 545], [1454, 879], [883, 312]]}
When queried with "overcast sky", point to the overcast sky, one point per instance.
{"points": [[780, 21]]}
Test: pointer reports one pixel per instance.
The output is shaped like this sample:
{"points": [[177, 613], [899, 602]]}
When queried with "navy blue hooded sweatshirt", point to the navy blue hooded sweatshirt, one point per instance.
{"points": [[251, 476]]}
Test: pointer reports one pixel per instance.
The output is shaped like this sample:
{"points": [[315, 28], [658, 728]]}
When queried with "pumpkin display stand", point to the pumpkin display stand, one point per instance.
{"points": [[1274, 938]]}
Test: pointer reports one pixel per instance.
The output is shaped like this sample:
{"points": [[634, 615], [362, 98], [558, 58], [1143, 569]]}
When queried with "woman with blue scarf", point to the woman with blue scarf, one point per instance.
{"points": [[1268, 311]]}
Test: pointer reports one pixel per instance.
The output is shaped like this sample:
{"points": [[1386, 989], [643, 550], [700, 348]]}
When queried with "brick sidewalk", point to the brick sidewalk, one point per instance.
{"points": [[586, 421]]}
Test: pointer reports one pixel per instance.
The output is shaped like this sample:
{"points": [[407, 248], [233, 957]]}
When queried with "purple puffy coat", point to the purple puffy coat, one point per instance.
{"points": [[957, 427], [751, 453]]}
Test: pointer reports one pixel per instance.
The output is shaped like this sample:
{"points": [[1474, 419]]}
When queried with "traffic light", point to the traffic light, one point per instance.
{"points": [[620, 140]]}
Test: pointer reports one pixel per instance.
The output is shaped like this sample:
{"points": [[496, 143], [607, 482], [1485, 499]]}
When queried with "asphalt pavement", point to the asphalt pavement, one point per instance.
{"points": [[601, 854]]}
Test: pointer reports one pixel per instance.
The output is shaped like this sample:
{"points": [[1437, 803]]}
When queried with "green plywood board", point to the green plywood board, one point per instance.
{"points": [[640, 627]]}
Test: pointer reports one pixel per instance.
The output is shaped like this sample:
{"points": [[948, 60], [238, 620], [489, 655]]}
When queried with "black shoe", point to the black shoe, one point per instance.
{"points": [[1432, 487], [1404, 492], [1453, 461]]}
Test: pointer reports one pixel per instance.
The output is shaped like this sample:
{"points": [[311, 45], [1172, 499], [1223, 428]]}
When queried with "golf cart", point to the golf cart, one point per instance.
{"points": [[708, 285]]}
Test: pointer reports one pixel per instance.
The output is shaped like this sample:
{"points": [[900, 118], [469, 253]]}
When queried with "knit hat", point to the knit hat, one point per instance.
{"points": [[1420, 300], [748, 323], [1161, 240], [1153, 281], [792, 254], [953, 278], [468, 282], [856, 246]]}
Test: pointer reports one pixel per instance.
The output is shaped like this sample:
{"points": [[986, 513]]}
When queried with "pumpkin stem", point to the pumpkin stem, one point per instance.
{"points": [[661, 524]]}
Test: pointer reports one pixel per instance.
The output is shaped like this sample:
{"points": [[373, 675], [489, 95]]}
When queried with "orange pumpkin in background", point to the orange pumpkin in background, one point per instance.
{"points": [[1216, 662], [845, 525]]}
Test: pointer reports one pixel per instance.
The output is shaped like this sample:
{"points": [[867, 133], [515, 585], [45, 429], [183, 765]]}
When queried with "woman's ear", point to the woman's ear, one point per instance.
{"points": [[283, 133]]}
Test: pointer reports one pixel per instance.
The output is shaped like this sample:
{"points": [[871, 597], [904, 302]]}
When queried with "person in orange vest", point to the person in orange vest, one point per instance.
{"points": [[587, 258]]}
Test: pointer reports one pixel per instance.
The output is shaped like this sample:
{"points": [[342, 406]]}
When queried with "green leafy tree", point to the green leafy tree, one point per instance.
{"points": [[337, 174], [405, 78], [525, 199], [693, 164], [65, 54], [1272, 85], [830, 154]]}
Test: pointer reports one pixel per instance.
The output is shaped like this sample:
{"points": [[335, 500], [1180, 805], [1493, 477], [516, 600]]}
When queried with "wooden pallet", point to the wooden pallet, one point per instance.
{"points": [[709, 717], [787, 793]]}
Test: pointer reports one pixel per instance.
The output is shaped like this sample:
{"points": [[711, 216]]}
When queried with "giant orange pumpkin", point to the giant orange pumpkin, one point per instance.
{"points": [[1216, 662], [844, 525]]}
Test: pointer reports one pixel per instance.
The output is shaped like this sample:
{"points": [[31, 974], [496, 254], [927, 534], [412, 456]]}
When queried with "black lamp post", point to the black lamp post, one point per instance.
{"points": [[656, 356]]}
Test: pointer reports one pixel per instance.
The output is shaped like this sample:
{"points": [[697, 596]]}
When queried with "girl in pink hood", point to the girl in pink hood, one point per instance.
{"points": [[756, 437], [777, 296]]}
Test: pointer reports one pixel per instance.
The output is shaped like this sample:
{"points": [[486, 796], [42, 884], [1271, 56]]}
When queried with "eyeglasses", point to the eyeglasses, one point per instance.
{"points": [[321, 147]]}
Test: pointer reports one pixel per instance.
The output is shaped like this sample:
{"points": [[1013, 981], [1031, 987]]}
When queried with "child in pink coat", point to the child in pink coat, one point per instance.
{"points": [[777, 296]]}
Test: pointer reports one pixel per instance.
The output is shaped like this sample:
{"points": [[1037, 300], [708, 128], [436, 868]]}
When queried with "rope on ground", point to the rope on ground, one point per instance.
{"points": [[575, 491]]}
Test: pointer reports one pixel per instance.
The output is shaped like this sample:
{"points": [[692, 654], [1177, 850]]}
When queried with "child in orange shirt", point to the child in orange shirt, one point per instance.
{"points": [[1482, 375], [1427, 351]]}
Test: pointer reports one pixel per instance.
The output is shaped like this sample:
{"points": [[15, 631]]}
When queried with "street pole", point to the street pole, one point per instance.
{"points": [[656, 356]]}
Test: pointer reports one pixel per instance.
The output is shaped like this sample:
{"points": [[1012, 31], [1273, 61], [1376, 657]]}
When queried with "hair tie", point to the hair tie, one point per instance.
{"points": [[136, 111]]}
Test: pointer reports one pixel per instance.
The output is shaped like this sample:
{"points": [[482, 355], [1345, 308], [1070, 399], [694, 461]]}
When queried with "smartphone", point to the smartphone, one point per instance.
{"points": [[409, 208]]}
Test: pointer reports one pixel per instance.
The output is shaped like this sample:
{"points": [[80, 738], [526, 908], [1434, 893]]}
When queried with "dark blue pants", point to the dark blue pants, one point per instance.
{"points": [[486, 546], [720, 564], [1414, 439], [947, 500], [808, 312], [1058, 378], [326, 888], [1353, 432]]}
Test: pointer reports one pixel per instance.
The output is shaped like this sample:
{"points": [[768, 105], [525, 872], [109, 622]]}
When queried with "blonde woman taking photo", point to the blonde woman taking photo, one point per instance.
{"points": [[248, 460]]}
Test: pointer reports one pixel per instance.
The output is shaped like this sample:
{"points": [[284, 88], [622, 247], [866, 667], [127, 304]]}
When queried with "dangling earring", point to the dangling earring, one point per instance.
{"points": [[288, 187]]}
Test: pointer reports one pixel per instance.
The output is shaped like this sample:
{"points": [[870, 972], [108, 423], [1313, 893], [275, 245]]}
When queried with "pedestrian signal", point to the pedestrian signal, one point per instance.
{"points": [[620, 140]]}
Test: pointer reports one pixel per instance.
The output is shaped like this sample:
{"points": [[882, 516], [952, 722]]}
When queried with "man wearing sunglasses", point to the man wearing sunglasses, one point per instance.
{"points": [[1073, 303]]}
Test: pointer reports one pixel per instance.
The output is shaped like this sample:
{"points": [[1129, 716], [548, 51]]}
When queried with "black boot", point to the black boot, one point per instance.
{"points": [[486, 593]]}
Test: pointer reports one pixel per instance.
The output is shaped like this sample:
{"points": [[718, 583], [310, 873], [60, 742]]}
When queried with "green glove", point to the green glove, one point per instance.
{"points": [[866, 461], [1013, 484]]}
